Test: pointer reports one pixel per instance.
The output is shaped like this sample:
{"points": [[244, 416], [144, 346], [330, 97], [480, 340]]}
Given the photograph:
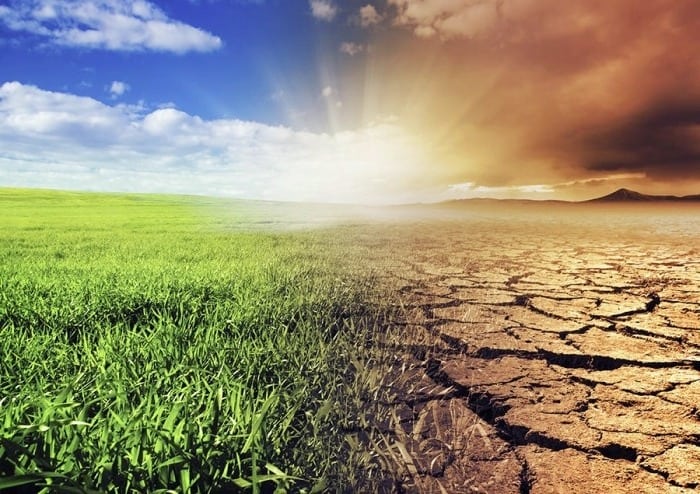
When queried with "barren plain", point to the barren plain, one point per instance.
{"points": [[546, 349]]}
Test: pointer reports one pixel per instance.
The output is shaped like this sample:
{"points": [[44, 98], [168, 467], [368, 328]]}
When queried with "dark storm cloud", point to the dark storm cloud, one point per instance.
{"points": [[663, 143]]}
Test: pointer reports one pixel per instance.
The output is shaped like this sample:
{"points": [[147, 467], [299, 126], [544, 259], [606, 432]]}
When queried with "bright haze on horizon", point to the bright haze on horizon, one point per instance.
{"points": [[371, 101]]}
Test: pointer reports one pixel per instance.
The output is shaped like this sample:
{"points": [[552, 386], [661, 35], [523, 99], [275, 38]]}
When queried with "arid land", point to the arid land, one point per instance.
{"points": [[545, 350]]}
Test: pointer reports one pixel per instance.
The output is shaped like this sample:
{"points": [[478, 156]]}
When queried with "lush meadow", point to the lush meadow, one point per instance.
{"points": [[148, 345]]}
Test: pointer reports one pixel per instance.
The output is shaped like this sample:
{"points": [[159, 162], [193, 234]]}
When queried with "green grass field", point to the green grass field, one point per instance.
{"points": [[146, 348]]}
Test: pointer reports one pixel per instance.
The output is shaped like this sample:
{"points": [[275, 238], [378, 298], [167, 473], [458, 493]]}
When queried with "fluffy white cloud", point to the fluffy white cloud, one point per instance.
{"points": [[51, 139], [351, 49], [324, 10], [369, 16], [28, 112], [122, 25], [118, 88]]}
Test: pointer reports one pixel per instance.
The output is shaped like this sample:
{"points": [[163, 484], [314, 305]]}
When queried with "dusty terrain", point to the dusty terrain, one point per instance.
{"points": [[547, 353]]}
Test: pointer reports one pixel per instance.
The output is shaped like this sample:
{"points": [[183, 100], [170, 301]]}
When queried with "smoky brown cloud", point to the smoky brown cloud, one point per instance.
{"points": [[562, 89]]}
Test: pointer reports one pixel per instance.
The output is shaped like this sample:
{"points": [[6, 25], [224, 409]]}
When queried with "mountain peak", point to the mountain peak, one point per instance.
{"points": [[625, 195], [630, 195]]}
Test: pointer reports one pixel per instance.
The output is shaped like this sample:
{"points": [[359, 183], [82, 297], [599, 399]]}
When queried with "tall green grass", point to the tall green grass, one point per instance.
{"points": [[144, 350]]}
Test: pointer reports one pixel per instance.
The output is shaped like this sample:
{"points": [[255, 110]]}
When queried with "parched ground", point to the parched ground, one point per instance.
{"points": [[546, 354]]}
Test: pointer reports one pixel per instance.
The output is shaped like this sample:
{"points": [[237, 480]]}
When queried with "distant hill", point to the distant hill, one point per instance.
{"points": [[626, 195], [621, 196]]}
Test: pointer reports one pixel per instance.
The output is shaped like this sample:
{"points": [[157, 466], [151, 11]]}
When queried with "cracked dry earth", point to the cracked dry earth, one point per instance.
{"points": [[547, 355]]}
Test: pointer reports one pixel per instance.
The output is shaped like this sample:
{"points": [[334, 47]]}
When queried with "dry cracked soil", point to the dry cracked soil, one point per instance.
{"points": [[545, 352]]}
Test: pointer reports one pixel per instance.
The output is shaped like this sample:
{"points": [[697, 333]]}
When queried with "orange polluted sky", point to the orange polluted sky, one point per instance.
{"points": [[537, 98]]}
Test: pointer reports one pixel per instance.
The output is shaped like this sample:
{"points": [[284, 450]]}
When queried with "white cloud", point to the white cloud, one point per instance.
{"points": [[120, 25], [59, 140], [351, 49], [118, 88], [324, 10], [369, 16], [327, 92]]}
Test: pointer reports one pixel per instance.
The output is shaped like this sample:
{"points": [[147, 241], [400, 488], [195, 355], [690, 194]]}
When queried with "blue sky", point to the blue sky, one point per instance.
{"points": [[233, 70], [226, 97], [377, 101]]}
